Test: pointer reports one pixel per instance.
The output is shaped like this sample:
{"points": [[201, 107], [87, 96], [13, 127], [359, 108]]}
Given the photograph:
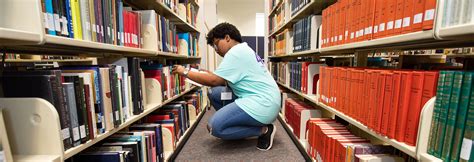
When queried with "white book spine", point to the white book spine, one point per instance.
{"points": [[86, 25]]}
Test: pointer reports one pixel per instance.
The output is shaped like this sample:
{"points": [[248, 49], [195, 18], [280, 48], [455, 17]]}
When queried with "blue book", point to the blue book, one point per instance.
{"points": [[130, 138], [69, 18], [119, 22], [50, 17], [132, 148], [158, 135], [183, 105], [186, 37], [98, 157]]}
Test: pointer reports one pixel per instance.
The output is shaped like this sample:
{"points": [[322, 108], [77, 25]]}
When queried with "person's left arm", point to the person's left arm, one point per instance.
{"points": [[202, 77]]}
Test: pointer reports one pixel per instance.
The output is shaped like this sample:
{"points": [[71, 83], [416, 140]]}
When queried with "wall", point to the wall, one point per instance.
{"points": [[207, 15], [240, 13]]}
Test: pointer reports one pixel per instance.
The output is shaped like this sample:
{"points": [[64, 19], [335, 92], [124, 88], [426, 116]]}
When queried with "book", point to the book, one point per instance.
{"points": [[459, 129], [452, 114]]}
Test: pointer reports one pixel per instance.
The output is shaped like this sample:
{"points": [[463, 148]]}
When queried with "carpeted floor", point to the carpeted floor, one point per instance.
{"points": [[203, 147]]}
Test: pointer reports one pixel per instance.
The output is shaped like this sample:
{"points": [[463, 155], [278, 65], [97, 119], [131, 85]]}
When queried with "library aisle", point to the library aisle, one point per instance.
{"points": [[201, 146], [117, 80]]}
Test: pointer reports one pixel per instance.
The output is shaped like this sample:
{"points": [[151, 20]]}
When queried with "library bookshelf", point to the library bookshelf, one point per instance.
{"points": [[448, 36], [44, 120], [37, 137], [313, 7], [27, 34]]}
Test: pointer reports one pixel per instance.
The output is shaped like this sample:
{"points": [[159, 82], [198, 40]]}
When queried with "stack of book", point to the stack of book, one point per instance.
{"points": [[331, 141], [297, 113]]}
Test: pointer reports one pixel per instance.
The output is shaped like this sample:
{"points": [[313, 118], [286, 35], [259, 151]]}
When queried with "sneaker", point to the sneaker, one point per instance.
{"points": [[265, 141]]}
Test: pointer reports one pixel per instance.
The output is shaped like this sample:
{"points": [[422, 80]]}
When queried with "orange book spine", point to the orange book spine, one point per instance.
{"points": [[387, 103], [429, 14], [345, 86], [391, 13], [359, 99], [348, 18], [372, 96], [322, 81], [380, 96], [416, 93], [403, 107], [367, 97], [392, 122], [377, 21], [334, 141], [331, 24], [337, 22], [362, 14], [399, 17], [429, 86], [418, 11], [370, 19], [342, 21], [383, 19], [352, 88], [334, 86], [337, 98], [407, 16], [353, 21]]}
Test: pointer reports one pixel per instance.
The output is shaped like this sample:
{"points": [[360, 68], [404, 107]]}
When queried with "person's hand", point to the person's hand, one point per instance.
{"points": [[178, 69]]}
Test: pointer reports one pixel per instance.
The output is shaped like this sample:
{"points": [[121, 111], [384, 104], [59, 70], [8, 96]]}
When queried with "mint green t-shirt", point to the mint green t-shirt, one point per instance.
{"points": [[257, 93]]}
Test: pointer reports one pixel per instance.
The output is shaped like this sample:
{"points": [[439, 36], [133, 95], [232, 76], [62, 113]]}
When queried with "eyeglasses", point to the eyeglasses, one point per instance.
{"points": [[215, 44]]}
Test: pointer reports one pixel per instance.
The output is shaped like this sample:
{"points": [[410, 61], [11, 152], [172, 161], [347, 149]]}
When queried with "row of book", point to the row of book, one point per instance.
{"points": [[331, 141], [161, 75], [394, 98], [349, 21], [284, 12], [91, 99], [457, 13], [279, 18], [306, 33], [273, 3], [152, 139], [297, 113], [184, 8], [452, 126], [300, 76], [14, 56], [112, 23], [93, 20], [303, 36], [297, 5]]}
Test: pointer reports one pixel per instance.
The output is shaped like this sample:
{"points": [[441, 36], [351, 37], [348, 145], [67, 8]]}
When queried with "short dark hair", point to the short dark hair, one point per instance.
{"points": [[221, 30]]}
